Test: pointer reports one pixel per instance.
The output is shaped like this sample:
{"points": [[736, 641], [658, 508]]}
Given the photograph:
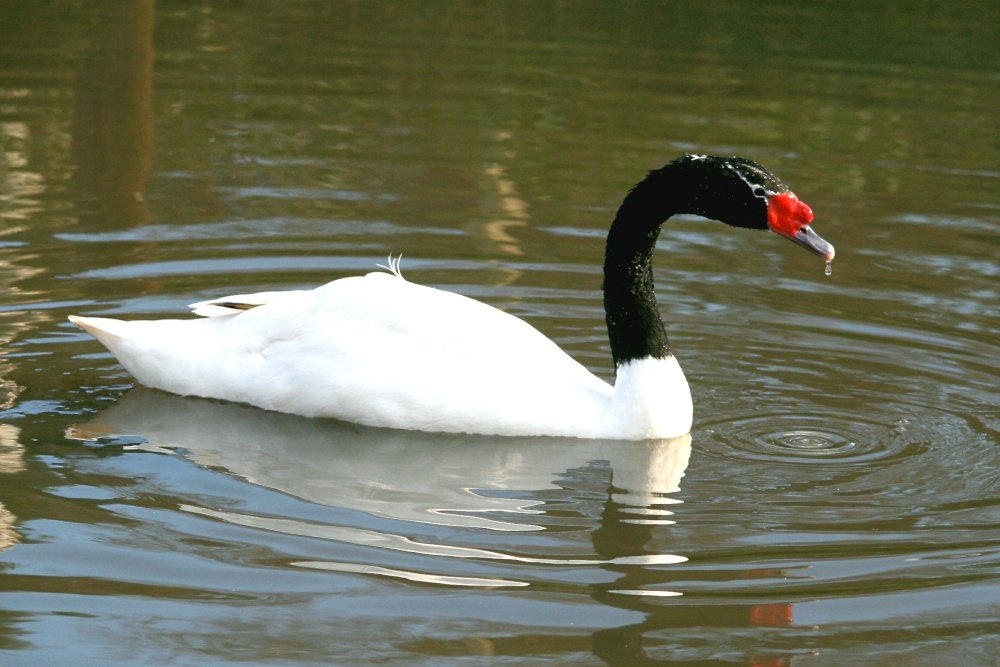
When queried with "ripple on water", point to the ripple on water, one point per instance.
{"points": [[803, 439]]}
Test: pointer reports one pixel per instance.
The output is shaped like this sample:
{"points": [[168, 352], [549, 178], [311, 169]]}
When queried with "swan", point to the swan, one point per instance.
{"points": [[380, 350]]}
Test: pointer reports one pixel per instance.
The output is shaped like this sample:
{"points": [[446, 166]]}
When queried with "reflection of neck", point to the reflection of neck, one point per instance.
{"points": [[663, 465], [641, 474]]}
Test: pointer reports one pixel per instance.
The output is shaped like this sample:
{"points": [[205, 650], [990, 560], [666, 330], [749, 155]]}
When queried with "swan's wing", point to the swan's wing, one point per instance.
{"points": [[237, 303], [434, 360], [376, 350]]}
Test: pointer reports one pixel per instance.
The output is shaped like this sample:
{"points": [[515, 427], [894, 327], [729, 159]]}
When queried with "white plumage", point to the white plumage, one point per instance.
{"points": [[382, 351]]}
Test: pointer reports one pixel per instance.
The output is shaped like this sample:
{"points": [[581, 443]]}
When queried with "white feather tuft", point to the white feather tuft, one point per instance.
{"points": [[393, 267]]}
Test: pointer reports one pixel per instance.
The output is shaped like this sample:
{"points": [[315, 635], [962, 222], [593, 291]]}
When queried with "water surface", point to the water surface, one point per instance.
{"points": [[837, 500]]}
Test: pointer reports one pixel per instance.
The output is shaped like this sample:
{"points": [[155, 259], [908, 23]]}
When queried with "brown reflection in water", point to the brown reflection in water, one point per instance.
{"points": [[11, 449], [11, 461], [8, 536], [515, 209], [514, 212], [513, 206], [113, 125]]}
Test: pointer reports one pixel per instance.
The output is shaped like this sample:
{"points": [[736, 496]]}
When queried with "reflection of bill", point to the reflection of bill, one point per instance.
{"points": [[776, 615]]}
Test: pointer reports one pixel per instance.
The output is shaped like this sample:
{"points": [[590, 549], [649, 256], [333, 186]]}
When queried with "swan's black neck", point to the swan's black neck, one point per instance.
{"points": [[732, 190]]}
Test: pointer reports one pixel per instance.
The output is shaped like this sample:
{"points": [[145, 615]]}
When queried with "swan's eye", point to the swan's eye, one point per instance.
{"points": [[758, 191]]}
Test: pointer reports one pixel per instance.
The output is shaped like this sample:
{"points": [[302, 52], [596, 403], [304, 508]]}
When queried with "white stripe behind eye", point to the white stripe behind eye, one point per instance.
{"points": [[758, 190]]}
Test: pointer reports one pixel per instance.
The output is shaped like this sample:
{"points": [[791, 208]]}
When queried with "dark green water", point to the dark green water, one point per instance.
{"points": [[838, 502]]}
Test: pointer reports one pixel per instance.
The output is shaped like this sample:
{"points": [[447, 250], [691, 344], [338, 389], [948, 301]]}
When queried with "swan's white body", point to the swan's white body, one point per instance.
{"points": [[382, 351]]}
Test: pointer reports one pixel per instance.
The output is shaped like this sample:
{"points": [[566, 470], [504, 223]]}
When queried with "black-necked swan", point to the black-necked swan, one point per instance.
{"points": [[382, 351]]}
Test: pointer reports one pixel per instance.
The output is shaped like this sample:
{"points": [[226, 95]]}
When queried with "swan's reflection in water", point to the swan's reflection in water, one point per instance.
{"points": [[443, 503], [446, 480]]}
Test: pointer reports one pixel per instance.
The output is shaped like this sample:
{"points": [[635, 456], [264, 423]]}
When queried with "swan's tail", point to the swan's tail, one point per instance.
{"points": [[108, 331], [164, 354]]}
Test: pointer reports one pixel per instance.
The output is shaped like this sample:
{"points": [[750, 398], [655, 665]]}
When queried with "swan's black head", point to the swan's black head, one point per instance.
{"points": [[733, 190], [741, 193]]}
